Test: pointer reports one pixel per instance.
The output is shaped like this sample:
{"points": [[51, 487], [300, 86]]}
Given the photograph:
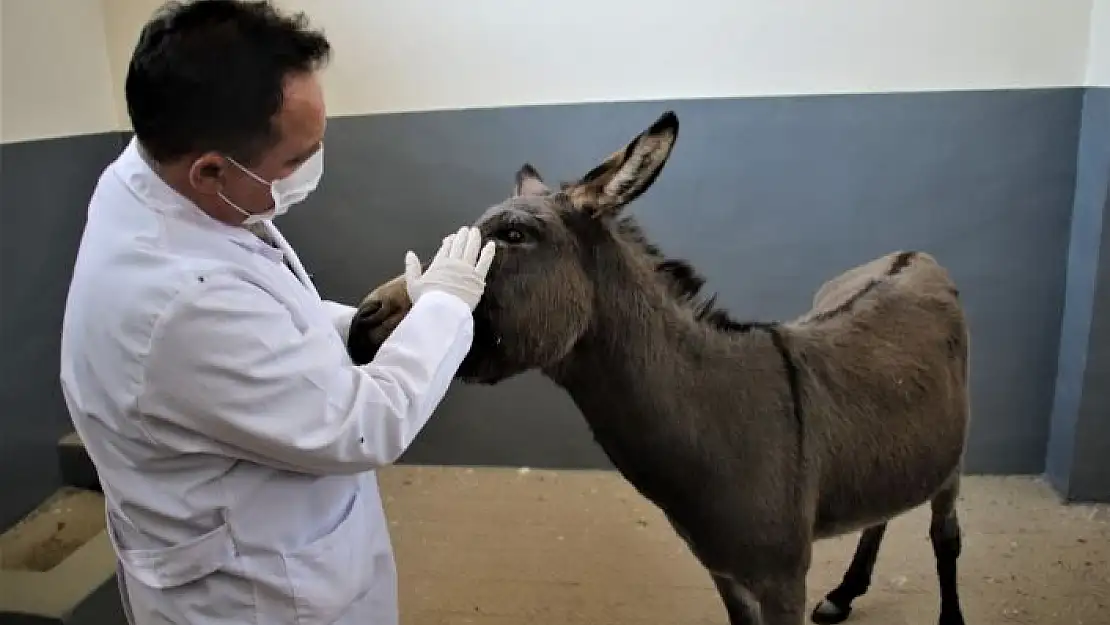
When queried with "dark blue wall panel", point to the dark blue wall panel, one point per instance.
{"points": [[44, 194], [769, 197]]}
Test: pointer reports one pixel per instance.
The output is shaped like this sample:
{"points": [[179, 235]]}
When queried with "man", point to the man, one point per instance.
{"points": [[234, 438]]}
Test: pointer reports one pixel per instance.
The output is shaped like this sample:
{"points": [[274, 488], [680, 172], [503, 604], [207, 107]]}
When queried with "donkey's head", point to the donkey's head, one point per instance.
{"points": [[542, 289]]}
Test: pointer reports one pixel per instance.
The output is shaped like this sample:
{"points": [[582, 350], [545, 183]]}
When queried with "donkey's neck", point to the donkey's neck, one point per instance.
{"points": [[646, 372]]}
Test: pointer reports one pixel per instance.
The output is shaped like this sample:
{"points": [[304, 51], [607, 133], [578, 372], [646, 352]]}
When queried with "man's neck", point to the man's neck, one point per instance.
{"points": [[161, 171]]}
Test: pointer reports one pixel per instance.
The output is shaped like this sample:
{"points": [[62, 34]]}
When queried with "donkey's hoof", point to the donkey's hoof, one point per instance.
{"points": [[828, 613]]}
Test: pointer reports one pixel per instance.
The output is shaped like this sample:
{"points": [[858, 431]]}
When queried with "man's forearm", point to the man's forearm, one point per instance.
{"points": [[341, 316]]}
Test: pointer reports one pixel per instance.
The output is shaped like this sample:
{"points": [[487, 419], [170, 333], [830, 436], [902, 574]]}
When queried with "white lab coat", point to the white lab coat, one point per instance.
{"points": [[234, 438]]}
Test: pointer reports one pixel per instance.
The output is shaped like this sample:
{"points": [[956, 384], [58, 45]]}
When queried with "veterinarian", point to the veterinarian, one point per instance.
{"points": [[235, 440]]}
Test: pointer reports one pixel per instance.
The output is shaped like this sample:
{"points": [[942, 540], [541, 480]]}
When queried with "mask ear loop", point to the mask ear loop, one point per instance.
{"points": [[248, 172], [249, 215]]}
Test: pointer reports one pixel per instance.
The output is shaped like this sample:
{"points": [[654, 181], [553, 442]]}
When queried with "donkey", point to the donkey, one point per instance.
{"points": [[754, 438]]}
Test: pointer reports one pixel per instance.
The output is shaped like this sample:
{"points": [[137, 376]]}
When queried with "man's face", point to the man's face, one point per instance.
{"points": [[301, 124]]}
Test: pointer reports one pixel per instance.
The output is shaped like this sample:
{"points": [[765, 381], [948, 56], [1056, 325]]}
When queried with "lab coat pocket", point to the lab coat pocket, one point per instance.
{"points": [[330, 573], [178, 565]]}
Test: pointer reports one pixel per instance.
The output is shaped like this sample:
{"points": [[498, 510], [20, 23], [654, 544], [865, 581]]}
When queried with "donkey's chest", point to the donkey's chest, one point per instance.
{"points": [[642, 461], [663, 467], [687, 478]]}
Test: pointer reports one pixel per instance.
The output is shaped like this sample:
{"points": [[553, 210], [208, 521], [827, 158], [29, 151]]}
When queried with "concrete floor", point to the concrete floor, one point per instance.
{"points": [[505, 547]]}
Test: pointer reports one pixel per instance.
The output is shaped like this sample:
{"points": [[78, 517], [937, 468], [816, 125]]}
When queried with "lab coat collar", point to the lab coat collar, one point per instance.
{"points": [[146, 184], [138, 176]]}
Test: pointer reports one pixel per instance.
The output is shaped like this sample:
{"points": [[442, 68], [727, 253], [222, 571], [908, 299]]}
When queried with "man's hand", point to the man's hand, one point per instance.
{"points": [[459, 268]]}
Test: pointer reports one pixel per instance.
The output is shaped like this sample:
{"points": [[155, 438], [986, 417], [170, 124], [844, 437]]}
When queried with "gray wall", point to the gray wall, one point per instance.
{"points": [[44, 193], [769, 197], [1079, 446]]}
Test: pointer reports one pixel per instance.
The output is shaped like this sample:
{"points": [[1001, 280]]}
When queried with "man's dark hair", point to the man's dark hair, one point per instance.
{"points": [[209, 75]]}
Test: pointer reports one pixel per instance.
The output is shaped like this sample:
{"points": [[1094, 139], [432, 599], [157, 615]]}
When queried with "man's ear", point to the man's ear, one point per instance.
{"points": [[207, 173], [626, 173], [529, 182]]}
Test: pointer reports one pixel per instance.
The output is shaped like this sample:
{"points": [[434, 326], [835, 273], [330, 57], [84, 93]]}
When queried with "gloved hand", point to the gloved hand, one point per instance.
{"points": [[457, 268]]}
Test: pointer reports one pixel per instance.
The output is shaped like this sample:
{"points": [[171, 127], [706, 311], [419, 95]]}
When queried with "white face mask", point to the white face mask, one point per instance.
{"points": [[286, 191]]}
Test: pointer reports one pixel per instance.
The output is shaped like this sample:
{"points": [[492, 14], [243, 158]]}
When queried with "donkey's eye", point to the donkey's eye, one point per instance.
{"points": [[511, 235]]}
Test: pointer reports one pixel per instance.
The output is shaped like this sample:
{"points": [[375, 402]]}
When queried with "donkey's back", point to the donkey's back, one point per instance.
{"points": [[884, 353], [912, 275]]}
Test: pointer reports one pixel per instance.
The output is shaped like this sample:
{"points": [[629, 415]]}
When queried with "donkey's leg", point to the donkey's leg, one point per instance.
{"points": [[766, 595], [944, 533], [740, 604], [783, 599], [775, 600], [837, 605]]}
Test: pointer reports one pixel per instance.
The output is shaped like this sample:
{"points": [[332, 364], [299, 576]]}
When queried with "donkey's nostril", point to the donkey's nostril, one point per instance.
{"points": [[368, 310]]}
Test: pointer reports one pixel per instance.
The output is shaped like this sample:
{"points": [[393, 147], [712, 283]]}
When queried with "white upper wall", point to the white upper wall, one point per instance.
{"points": [[123, 19], [444, 54], [54, 74], [1098, 55]]}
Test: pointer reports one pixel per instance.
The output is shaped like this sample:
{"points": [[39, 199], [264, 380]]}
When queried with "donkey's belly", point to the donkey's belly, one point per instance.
{"points": [[832, 523], [853, 500]]}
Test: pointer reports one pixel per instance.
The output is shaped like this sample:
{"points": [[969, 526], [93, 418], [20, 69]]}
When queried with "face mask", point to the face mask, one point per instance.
{"points": [[286, 191]]}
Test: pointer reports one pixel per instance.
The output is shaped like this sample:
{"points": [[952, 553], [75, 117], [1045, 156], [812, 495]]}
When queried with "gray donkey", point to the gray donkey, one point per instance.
{"points": [[754, 438]]}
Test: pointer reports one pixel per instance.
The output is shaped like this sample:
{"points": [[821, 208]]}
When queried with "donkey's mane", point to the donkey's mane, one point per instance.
{"points": [[683, 281]]}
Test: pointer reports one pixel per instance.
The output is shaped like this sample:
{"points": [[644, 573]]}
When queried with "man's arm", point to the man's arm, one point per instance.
{"points": [[229, 363], [341, 316]]}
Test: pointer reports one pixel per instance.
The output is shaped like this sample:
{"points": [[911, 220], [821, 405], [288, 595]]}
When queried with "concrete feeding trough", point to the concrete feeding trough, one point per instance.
{"points": [[57, 564]]}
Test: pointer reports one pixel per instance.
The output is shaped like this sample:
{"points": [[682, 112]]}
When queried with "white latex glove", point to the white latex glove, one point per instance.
{"points": [[458, 268]]}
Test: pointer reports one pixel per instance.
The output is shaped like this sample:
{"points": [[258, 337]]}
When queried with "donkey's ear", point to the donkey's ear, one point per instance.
{"points": [[627, 173], [528, 182]]}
